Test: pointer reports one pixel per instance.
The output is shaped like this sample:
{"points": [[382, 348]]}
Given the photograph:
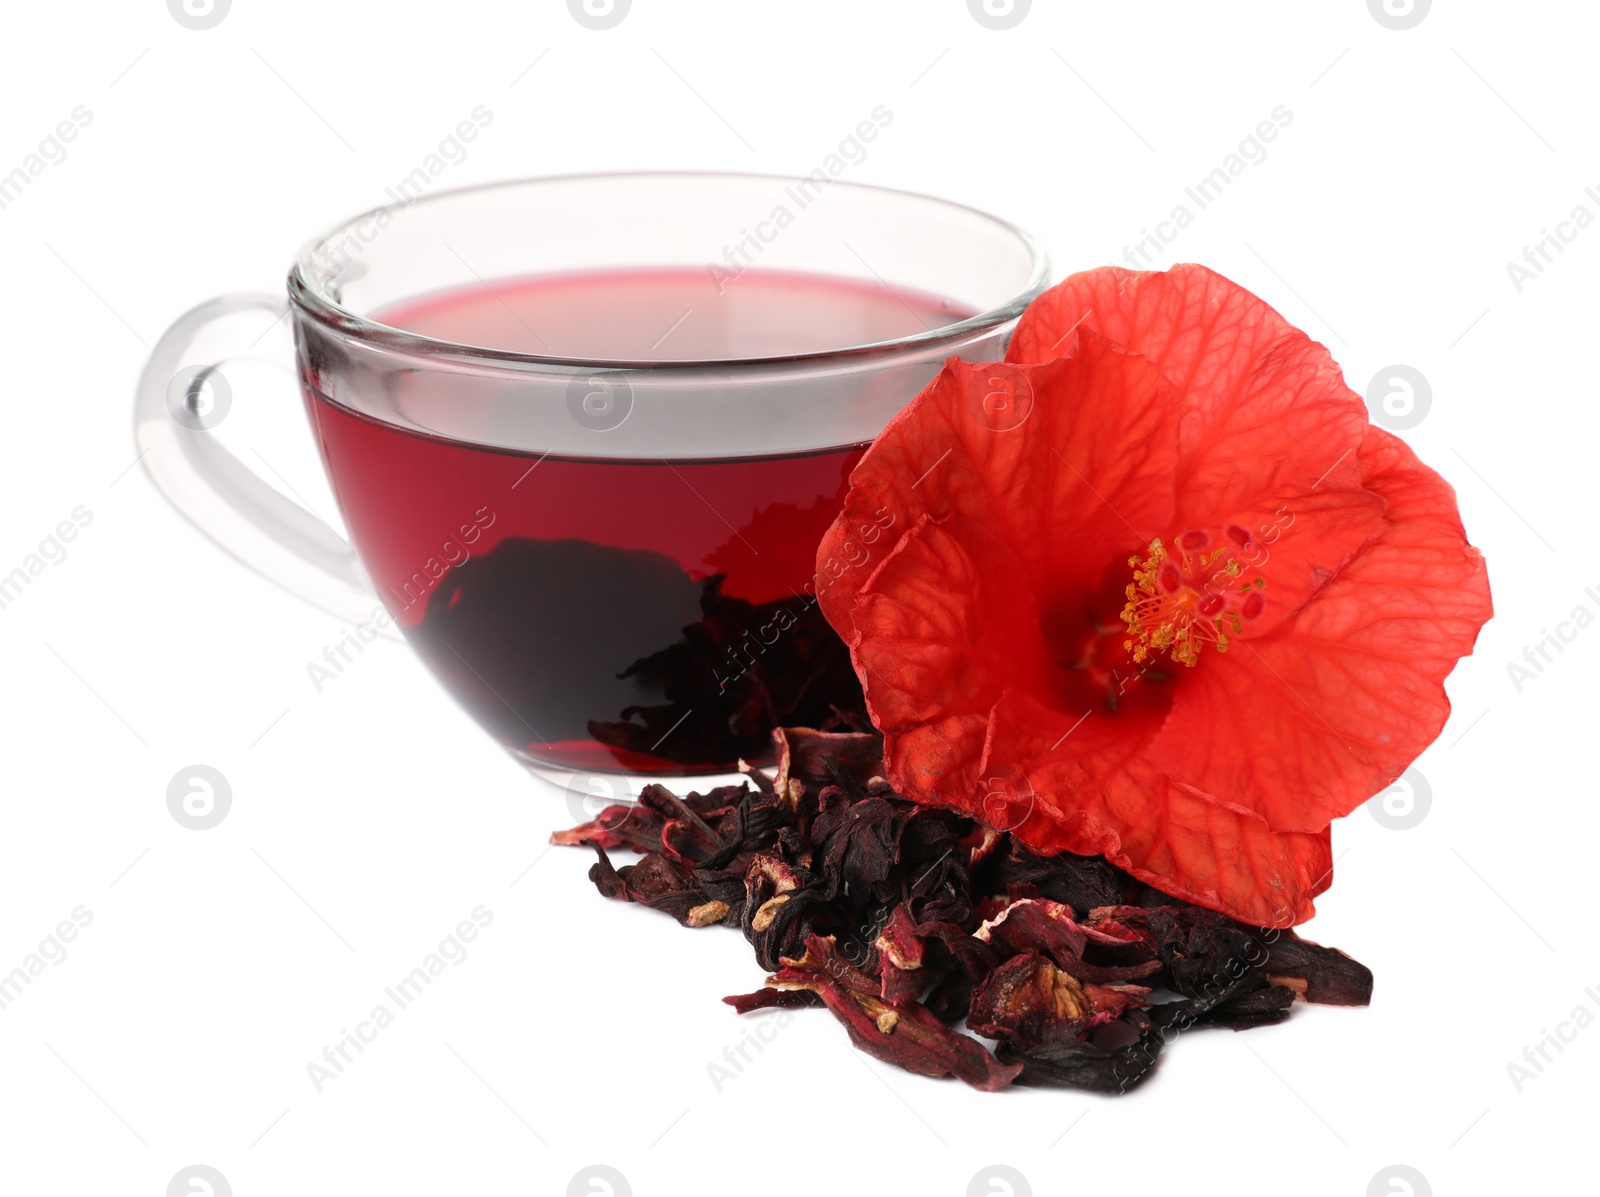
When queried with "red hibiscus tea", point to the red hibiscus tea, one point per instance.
{"points": [[586, 432], [643, 612]]}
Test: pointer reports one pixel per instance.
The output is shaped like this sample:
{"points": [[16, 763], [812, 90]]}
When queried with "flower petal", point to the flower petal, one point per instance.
{"points": [[1097, 794], [1352, 690], [1066, 462], [1270, 434], [945, 626]]}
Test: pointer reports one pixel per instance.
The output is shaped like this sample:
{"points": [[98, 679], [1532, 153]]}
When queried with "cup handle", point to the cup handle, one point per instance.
{"points": [[213, 488]]}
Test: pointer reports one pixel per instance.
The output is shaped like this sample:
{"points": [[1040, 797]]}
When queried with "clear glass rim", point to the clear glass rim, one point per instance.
{"points": [[313, 301]]}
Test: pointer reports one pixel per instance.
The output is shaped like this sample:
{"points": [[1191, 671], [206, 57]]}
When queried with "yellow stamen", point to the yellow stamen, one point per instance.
{"points": [[1178, 603]]}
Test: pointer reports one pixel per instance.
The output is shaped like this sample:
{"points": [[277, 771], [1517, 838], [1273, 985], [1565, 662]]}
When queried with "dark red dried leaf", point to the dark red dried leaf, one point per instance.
{"points": [[1254, 1003], [1318, 974], [908, 1036], [1040, 925], [902, 977], [662, 885], [773, 999], [1086, 1064], [816, 758], [621, 825], [721, 701], [1030, 1002]]}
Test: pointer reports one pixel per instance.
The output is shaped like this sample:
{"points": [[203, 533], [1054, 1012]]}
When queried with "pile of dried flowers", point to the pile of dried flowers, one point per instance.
{"points": [[904, 920]]}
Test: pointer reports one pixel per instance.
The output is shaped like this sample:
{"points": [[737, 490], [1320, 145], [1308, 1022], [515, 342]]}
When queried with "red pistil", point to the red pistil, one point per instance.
{"points": [[1176, 604]]}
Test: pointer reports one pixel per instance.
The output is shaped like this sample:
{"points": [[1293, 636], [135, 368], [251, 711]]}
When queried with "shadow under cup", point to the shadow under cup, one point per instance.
{"points": [[586, 435]]}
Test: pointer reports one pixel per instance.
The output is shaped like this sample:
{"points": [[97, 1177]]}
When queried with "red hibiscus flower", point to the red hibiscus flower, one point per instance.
{"points": [[1153, 588]]}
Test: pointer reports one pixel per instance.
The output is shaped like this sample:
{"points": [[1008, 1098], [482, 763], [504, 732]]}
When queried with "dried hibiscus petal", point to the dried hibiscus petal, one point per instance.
{"points": [[685, 834], [1028, 1001], [1318, 974], [620, 825], [908, 1036], [1086, 1064], [662, 885], [716, 712], [773, 999], [1040, 925], [1206, 954], [1252, 1002], [1036, 921], [901, 976], [1081, 882], [752, 827], [857, 842], [781, 907], [816, 758]]}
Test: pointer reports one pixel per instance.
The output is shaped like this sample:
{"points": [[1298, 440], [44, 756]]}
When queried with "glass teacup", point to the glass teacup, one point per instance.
{"points": [[586, 433]]}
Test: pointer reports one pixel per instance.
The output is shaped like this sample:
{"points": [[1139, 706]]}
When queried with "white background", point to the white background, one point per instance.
{"points": [[369, 819]]}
